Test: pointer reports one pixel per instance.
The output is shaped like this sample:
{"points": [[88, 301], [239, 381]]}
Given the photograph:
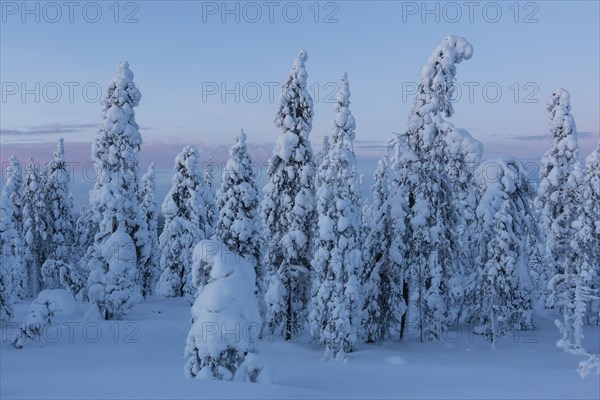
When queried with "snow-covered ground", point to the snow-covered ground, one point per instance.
{"points": [[142, 357]]}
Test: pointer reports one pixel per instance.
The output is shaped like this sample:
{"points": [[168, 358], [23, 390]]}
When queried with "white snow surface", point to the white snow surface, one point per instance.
{"points": [[141, 357]]}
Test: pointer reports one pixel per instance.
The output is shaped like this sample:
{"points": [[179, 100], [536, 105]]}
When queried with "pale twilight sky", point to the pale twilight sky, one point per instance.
{"points": [[184, 53]]}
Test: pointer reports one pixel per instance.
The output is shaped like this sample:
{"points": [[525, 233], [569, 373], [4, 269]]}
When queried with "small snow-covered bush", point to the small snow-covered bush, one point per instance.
{"points": [[225, 317], [48, 304]]}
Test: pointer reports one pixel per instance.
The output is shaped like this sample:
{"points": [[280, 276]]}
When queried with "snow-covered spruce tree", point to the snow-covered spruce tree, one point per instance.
{"points": [[225, 317], [289, 208], [463, 155], [570, 289], [85, 230], [210, 196], [503, 289], [74, 275], [397, 281], [239, 225], [433, 266], [376, 250], [556, 166], [536, 259], [335, 316], [6, 291], [11, 241], [590, 192], [35, 226], [150, 271], [61, 229], [383, 282], [365, 216], [121, 247], [186, 223], [320, 156], [13, 278], [210, 169]]}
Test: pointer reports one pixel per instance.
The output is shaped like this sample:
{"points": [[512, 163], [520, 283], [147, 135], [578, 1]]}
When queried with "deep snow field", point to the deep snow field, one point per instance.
{"points": [[142, 357]]}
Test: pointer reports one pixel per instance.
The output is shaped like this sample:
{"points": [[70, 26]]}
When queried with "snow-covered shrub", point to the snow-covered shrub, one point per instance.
{"points": [[48, 304], [225, 317]]}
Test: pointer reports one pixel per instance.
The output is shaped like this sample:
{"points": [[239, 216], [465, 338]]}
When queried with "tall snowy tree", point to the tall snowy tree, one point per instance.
{"points": [[225, 317], [210, 169], [590, 193], [212, 212], [61, 229], [6, 290], [374, 277], [570, 288], [433, 267], [289, 207], [463, 155], [503, 295], [114, 272], [238, 225], [13, 278], [149, 273], [396, 291], [335, 317], [35, 226], [538, 268], [555, 169], [74, 275], [85, 230], [321, 155], [186, 223]]}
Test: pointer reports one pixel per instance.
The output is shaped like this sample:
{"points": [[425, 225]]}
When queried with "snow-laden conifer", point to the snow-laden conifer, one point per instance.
{"points": [[335, 317], [186, 223], [150, 271], [121, 246], [238, 224], [288, 207]]}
